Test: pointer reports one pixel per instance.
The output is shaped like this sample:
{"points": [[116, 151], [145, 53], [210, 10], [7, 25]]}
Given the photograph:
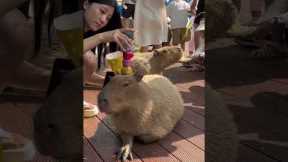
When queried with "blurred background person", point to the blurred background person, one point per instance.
{"points": [[178, 12], [150, 24]]}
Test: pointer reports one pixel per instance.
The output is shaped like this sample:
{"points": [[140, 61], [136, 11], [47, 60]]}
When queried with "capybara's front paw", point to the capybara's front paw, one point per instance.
{"points": [[125, 153]]}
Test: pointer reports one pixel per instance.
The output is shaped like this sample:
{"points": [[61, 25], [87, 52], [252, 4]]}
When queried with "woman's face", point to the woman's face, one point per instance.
{"points": [[97, 15]]}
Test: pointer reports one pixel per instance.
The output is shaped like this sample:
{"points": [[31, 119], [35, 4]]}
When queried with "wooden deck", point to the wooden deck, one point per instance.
{"points": [[256, 92], [186, 143]]}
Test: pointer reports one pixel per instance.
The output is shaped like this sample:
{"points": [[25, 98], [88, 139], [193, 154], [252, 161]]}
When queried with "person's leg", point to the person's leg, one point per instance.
{"points": [[176, 37], [15, 44], [197, 61], [200, 49], [196, 38], [182, 45], [169, 38], [89, 67], [192, 44]]}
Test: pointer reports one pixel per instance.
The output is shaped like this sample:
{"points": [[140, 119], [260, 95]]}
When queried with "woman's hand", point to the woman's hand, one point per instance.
{"points": [[120, 37], [117, 36]]}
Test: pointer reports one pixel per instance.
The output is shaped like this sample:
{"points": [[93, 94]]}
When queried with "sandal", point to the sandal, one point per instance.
{"points": [[15, 147], [90, 110]]}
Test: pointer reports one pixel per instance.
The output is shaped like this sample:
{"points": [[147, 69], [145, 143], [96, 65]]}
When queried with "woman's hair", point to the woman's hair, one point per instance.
{"points": [[112, 3], [39, 13], [114, 23]]}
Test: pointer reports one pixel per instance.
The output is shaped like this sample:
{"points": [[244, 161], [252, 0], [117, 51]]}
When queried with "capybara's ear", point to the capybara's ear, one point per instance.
{"points": [[156, 53], [138, 74], [178, 47]]}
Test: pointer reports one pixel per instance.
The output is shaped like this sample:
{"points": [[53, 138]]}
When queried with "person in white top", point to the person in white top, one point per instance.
{"points": [[150, 24], [178, 11]]}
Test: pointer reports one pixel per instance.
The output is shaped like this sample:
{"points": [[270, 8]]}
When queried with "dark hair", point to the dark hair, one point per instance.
{"points": [[114, 23], [112, 3]]}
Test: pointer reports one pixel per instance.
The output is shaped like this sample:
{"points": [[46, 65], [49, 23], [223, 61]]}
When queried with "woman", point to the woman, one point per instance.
{"points": [[64, 102], [100, 16], [197, 61], [101, 25]]}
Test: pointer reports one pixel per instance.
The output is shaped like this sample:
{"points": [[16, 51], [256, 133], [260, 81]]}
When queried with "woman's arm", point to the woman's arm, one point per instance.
{"points": [[93, 41], [7, 5], [117, 36], [193, 6]]}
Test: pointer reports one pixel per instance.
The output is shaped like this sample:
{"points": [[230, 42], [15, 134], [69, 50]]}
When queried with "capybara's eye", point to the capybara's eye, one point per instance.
{"points": [[156, 53]]}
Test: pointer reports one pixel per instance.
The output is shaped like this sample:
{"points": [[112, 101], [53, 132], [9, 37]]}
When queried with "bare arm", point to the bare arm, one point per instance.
{"points": [[111, 36], [7, 5], [93, 41], [193, 6]]}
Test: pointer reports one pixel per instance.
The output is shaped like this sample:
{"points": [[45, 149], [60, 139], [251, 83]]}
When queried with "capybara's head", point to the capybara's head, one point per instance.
{"points": [[167, 56], [121, 93]]}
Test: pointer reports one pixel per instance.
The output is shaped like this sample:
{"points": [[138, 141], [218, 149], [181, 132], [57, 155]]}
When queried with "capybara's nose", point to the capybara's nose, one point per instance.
{"points": [[103, 105], [102, 102]]}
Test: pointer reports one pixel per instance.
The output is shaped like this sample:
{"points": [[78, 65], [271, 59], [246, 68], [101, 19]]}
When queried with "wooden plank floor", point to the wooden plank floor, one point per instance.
{"points": [[17, 118], [185, 143], [256, 92]]}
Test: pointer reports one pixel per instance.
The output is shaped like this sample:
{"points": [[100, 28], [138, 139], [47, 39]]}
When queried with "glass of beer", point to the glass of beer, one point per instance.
{"points": [[115, 60]]}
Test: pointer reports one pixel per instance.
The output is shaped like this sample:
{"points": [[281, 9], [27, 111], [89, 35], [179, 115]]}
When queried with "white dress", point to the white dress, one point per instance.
{"points": [[150, 24]]}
